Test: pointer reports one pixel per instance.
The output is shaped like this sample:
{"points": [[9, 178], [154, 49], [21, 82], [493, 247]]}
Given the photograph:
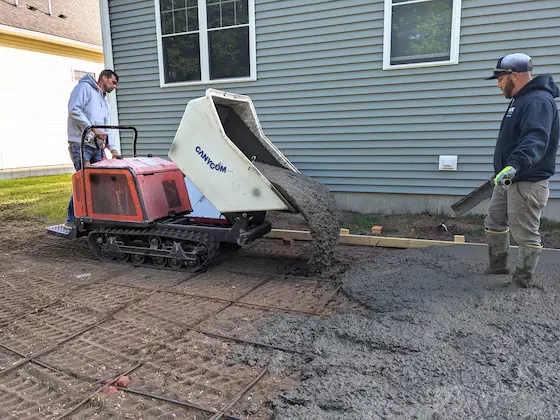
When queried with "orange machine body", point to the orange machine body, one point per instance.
{"points": [[130, 190]]}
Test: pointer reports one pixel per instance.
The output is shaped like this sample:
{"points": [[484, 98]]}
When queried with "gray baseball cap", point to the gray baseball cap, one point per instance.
{"points": [[512, 63]]}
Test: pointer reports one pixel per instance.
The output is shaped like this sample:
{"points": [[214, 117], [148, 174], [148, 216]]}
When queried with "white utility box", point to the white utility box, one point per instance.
{"points": [[217, 140], [448, 162]]}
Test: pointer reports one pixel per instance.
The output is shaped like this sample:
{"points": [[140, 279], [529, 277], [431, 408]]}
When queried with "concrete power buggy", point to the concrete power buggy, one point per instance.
{"points": [[177, 214]]}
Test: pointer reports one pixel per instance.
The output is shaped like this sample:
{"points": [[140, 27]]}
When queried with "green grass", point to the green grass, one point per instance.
{"points": [[361, 224], [475, 219], [550, 225], [477, 231], [44, 199], [411, 225]]}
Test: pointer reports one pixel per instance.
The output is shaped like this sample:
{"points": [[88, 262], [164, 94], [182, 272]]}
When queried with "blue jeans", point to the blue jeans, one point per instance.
{"points": [[91, 155]]}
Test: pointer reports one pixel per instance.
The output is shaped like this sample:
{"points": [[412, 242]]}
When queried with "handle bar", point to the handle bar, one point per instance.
{"points": [[115, 127]]}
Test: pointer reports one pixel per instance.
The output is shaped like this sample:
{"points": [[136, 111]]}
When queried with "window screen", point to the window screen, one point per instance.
{"points": [[421, 31]]}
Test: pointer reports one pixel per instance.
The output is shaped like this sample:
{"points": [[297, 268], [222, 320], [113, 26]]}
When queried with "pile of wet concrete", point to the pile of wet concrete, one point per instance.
{"points": [[318, 207], [440, 340]]}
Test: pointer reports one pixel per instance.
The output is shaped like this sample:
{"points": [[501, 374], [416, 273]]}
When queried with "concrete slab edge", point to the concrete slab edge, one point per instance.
{"points": [[16, 173]]}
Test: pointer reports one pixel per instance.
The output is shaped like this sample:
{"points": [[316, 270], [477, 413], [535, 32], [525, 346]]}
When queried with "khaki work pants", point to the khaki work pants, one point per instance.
{"points": [[518, 208]]}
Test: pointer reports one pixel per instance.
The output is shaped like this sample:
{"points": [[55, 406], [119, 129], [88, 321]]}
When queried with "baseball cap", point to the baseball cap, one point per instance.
{"points": [[516, 62]]}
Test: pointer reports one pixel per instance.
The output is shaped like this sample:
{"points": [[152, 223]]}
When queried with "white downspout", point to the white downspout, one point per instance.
{"points": [[50, 8], [108, 58]]}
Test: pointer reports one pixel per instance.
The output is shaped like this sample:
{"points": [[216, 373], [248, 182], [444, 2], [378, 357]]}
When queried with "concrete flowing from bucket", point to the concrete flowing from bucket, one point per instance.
{"points": [[441, 340], [317, 205]]}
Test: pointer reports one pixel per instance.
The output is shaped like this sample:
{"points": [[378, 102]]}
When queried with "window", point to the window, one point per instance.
{"points": [[78, 74], [421, 33], [203, 41]]}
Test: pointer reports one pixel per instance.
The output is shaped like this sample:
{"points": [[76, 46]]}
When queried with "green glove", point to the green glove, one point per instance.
{"points": [[507, 173]]}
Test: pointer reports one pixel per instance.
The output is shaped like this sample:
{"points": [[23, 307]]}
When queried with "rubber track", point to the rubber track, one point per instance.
{"points": [[197, 238]]}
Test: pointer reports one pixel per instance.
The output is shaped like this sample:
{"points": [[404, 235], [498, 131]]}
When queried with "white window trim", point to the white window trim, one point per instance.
{"points": [[455, 34], [204, 57]]}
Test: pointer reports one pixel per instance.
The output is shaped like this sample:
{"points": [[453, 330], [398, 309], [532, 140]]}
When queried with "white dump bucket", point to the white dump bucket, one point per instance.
{"points": [[217, 140]]}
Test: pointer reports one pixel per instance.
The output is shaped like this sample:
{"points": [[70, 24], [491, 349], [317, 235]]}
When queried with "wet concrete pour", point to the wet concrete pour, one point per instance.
{"points": [[317, 205], [441, 341]]}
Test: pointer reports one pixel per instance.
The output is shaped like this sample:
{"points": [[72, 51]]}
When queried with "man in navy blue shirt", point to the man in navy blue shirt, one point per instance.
{"points": [[524, 160]]}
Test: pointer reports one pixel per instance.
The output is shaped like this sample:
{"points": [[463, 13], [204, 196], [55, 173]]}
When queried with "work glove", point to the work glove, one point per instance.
{"points": [[507, 173]]}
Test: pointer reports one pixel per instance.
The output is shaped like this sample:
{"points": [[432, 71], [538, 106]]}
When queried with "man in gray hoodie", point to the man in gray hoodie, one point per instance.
{"points": [[88, 105]]}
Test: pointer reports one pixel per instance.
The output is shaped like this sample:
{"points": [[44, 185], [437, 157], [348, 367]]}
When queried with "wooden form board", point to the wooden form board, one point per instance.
{"points": [[382, 241]]}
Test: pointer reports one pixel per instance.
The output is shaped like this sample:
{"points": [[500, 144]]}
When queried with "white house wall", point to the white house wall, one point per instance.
{"points": [[33, 109]]}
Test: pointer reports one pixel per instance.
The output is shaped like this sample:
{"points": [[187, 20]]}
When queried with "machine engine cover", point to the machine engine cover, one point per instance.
{"points": [[132, 189]]}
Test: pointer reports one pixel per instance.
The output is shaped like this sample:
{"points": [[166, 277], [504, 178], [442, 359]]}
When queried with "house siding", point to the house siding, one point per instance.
{"points": [[324, 100]]}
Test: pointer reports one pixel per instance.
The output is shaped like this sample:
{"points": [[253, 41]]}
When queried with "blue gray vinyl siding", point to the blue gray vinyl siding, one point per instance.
{"points": [[323, 98]]}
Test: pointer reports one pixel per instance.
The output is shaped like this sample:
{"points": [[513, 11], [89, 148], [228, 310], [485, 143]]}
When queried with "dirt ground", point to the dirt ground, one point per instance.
{"points": [[384, 334], [69, 323]]}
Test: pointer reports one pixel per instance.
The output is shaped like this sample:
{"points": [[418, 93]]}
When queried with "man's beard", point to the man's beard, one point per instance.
{"points": [[508, 88]]}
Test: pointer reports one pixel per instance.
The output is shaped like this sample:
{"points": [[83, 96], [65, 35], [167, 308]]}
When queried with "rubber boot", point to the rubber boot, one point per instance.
{"points": [[527, 260], [498, 251]]}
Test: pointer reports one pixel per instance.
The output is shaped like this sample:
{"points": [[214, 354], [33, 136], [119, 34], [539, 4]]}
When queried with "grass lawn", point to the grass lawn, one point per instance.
{"points": [[42, 199]]}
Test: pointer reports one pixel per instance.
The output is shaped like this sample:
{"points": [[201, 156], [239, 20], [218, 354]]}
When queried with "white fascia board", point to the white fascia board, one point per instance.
{"points": [[108, 58], [49, 38]]}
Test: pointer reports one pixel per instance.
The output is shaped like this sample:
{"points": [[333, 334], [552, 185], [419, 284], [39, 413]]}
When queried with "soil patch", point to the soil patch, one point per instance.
{"points": [[39, 269], [318, 207], [428, 226], [417, 226], [440, 340]]}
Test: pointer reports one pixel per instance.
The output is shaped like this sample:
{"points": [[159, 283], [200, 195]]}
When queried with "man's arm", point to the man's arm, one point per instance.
{"points": [[78, 99], [115, 152], [536, 123]]}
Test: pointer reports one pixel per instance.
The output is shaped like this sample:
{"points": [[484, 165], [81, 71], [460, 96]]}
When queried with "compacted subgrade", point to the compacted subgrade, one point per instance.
{"points": [[317, 205], [442, 340]]}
